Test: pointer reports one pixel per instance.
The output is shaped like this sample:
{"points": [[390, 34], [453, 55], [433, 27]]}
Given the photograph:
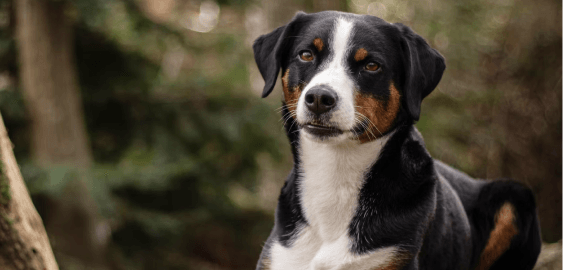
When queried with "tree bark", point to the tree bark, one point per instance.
{"points": [[550, 257], [49, 83], [23, 240]]}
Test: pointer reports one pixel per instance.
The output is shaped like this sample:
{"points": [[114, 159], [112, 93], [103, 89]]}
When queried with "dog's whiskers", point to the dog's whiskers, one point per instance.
{"points": [[287, 117], [286, 106], [284, 116], [370, 123], [295, 116]]}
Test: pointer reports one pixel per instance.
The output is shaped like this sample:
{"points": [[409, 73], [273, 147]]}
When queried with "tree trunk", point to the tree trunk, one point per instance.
{"points": [[45, 39], [50, 88], [23, 241]]}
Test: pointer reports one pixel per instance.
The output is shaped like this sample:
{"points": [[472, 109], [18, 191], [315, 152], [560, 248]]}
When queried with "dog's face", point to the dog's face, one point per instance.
{"points": [[348, 77]]}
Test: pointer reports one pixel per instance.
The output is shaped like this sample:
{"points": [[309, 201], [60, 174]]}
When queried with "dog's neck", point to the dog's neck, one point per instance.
{"points": [[331, 178]]}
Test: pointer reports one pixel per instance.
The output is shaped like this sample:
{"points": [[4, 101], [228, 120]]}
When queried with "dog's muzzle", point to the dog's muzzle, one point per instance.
{"points": [[320, 100]]}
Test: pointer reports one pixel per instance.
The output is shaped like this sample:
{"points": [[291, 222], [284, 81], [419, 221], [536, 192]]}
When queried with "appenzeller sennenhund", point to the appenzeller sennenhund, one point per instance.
{"points": [[364, 192]]}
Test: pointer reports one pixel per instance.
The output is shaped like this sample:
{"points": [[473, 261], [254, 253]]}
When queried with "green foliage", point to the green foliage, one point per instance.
{"points": [[167, 148]]}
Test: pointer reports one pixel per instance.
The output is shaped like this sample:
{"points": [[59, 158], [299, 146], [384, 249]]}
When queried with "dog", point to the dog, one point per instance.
{"points": [[364, 193]]}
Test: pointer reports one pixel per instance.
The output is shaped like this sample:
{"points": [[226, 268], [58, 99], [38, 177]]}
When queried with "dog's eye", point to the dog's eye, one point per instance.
{"points": [[371, 66], [306, 56]]}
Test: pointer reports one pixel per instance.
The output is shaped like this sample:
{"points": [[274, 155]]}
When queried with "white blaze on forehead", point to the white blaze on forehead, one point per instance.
{"points": [[334, 73], [343, 31]]}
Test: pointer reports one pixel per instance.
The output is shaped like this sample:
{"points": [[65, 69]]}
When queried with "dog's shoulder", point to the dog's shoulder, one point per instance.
{"points": [[399, 187]]}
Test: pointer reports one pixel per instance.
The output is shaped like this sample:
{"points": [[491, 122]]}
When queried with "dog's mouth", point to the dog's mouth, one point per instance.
{"points": [[324, 131], [321, 130]]}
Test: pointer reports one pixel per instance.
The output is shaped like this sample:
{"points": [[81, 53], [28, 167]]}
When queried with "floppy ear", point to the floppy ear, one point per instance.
{"points": [[270, 49], [423, 66]]}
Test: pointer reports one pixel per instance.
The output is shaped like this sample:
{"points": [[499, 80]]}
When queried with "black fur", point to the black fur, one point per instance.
{"points": [[439, 217], [423, 67], [289, 207], [271, 49]]}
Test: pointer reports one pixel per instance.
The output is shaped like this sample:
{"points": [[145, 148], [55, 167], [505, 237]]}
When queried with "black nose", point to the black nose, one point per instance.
{"points": [[320, 99]]}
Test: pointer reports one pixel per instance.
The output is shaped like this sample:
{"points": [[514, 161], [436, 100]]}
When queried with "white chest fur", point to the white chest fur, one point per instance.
{"points": [[331, 178]]}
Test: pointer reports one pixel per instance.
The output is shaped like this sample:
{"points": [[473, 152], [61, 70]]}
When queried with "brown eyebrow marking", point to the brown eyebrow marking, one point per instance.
{"points": [[361, 54], [500, 238], [318, 42]]}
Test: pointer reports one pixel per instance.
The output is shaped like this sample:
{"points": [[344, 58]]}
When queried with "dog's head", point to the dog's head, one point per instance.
{"points": [[346, 76]]}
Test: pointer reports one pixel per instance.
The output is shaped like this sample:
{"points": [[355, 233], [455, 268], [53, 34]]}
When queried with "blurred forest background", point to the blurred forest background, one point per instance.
{"points": [[139, 130]]}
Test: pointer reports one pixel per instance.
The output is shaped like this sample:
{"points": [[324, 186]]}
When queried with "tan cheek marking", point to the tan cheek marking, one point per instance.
{"points": [[361, 54], [500, 238], [381, 114], [318, 42], [291, 95]]}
